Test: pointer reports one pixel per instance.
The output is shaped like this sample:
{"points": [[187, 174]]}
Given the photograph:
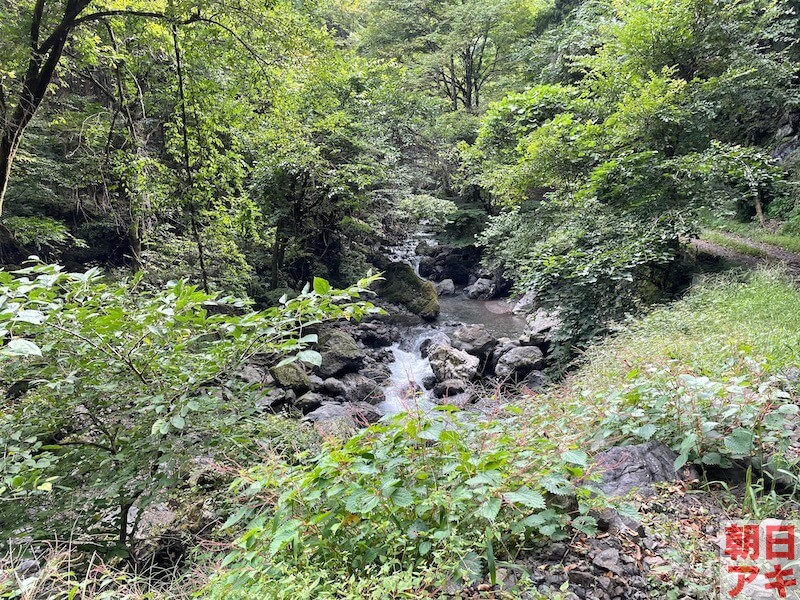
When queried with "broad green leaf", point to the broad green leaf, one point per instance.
{"points": [[575, 457], [21, 347], [402, 498], [321, 286], [311, 357], [739, 442], [526, 497], [489, 509]]}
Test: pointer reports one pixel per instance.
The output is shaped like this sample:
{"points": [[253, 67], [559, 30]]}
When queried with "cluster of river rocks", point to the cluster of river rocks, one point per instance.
{"points": [[347, 388]]}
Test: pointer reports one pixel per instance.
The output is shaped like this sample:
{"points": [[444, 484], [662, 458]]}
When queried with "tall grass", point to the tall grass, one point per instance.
{"points": [[719, 318]]}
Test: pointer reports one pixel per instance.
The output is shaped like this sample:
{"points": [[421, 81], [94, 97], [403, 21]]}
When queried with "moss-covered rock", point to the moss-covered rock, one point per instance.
{"points": [[402, 286], [292, 376], [340, 353]]}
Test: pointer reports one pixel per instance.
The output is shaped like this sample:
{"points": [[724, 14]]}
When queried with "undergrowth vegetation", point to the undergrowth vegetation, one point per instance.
{"points": [[414, 503], [114, 392]]}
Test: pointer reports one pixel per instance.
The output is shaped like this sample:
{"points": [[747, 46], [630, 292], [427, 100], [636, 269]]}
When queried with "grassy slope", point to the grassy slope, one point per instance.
{"points": [[718, 319], [731, 330], [773, 236]]}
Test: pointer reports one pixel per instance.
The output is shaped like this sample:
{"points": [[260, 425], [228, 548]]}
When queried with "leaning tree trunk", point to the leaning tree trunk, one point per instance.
{"points": [[8, 148]]}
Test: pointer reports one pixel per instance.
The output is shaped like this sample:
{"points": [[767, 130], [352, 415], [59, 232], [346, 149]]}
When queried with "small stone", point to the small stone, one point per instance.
{"points": [[581, 578], [608, 559], [556, 552], [27, 568]]}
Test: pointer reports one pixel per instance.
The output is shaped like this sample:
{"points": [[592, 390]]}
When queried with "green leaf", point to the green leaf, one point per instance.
{"points": [[575, 457], [30, 316], [526, 497], [646, 431], [21, 347], [402, 498], [311, 357], [285, 533], [321, 286], [557, 485], [489, 509], [681, 460], [585, 524], [178, 422], [739, 442]]}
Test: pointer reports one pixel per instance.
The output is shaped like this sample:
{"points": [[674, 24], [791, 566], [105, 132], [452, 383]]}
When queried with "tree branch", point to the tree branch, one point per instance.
{"points": [[66, 25]]}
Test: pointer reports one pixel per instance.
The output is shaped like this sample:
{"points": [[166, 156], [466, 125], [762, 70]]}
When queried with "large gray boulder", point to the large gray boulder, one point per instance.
{"points": [[536, 380], [518, 362], [341, 420], [541, 326], [340, 353], [292, 376], [450, 363], [482, 289], [401, 285], [438, 338], [446, 288], [358, 388], [525, 304], [309, 401], [624, 469], [473, 339]]}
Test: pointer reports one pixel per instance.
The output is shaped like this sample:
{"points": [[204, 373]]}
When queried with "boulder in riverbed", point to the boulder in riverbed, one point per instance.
{"points": [[309, 401], [446, 288], [402, 286], [291, 376], [362, 389], [341, 420], [450, 387], [525, 304], [541, 326], [450, 363], [438, 338], [482, 289], [518, 362], [474, 339], [340, 353]]}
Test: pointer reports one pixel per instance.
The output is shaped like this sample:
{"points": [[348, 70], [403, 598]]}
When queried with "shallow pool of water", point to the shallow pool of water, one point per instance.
{"points": [[495, 315]]}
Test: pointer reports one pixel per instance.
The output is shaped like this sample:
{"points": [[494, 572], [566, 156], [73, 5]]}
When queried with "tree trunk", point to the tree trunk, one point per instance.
{"points": [[760, 208], [7, 151], [469, 80], [135, 241]]}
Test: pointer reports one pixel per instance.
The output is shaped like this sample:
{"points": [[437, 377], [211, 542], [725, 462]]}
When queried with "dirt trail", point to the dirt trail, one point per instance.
{"points": [[768, 254]]}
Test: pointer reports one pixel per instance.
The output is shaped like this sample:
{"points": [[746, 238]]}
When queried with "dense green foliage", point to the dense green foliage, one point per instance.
{"points": [[605, 160], [118, 389], [408, 503]]}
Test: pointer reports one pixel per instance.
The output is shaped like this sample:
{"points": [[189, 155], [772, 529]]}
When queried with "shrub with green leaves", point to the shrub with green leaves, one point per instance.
{"points": [[42, 233], [113, 389], [412, 501], [710, 421]]}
